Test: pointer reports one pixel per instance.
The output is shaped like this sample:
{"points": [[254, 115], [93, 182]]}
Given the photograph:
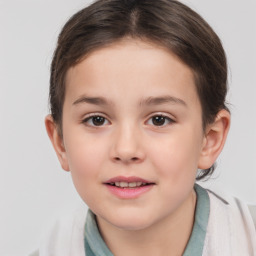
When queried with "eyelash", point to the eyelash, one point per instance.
{"points": [[89, 120], [90, 117], [165, 117]]}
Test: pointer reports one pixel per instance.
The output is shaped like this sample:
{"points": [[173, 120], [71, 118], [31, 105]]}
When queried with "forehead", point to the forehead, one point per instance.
{"points": [[131, 65]]}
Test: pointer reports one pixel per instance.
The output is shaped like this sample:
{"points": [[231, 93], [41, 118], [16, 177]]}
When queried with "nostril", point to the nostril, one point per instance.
{"points": [[133, 159]]}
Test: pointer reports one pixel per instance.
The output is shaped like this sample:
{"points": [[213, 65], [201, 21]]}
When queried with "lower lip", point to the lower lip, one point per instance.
{"points": [[128, 193]]}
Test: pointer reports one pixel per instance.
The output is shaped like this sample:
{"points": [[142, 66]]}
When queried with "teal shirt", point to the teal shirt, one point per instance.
{"points": [[95, 246]]}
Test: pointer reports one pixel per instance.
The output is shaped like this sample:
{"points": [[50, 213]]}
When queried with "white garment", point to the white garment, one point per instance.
{"points": [[66, 236], [230, 231]]}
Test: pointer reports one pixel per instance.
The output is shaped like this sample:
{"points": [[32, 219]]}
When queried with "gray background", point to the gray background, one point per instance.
{"points": [[33, 188]]}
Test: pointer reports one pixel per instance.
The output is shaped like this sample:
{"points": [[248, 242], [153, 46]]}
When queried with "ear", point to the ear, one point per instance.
{"points": [[57, 141], [214, 140]]}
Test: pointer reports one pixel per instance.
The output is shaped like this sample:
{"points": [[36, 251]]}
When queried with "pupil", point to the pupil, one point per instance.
{"points": [[98, 120], [158, 120]]}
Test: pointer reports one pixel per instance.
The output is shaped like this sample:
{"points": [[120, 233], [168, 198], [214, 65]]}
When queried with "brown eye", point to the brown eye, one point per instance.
{"points": [[159, 120], [95, 121], [98, 120]]}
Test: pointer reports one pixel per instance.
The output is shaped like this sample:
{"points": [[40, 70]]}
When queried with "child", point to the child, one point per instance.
{"points": [[137, 97]]}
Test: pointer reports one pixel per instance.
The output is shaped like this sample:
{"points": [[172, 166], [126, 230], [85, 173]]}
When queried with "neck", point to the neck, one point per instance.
{"points": [[170, 234]]}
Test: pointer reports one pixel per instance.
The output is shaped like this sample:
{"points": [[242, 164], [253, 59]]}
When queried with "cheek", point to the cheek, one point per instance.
{"points": [[82, 159], [176, 157], [85, 158], [84, 151]]}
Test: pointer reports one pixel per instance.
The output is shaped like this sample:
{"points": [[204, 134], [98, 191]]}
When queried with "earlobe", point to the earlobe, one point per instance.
{"points": [[57, 142], [214, 140]]}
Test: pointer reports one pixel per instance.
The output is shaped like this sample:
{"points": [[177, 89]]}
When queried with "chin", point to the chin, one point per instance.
{"points": [[131, 226], [128, 221]]}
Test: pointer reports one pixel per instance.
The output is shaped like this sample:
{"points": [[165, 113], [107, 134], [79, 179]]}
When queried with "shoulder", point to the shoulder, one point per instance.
{"points": [[252, 209], [231, 227], [233, 205], [65, 235]]}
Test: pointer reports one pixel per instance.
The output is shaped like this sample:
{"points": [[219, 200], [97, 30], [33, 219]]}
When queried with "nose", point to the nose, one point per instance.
{"points": [[127, 145]]}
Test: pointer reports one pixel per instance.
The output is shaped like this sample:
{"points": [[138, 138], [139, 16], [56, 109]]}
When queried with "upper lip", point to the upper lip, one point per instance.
{"points": [[127, 179]]}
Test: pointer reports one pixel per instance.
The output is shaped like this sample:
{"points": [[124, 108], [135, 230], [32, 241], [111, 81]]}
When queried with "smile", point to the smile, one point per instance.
{"points": [[128, 187], [124, 184]]}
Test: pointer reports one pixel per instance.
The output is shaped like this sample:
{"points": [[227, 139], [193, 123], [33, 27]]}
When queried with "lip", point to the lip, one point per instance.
{"points": [[126, 192], [127, 179]]}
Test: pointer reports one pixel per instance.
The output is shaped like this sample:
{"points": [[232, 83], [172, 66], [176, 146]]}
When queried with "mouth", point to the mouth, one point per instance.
{"points": [[128, 187], [131, 185], [128, 182]]}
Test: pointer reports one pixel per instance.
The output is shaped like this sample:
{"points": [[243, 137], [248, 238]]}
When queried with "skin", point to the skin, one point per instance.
{"points": [[126, 76]]}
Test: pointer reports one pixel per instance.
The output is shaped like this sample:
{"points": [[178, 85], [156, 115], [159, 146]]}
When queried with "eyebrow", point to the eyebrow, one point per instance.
{"points": [[150, 101], [162, 100], [92, 100]]}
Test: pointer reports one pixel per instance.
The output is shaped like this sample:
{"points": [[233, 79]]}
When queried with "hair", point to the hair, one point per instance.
{"points": [[168, 23]]}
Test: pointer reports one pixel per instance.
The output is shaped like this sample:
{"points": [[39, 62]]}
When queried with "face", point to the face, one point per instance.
{"points": [[132, 133]]}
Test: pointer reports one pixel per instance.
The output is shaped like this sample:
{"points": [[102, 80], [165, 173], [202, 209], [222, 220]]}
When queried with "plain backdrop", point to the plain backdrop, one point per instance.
{"points": [[33, 188]]}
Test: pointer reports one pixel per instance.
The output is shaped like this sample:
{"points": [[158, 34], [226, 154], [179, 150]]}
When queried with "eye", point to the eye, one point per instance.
{"points": [[160, 120], [95, 120]]}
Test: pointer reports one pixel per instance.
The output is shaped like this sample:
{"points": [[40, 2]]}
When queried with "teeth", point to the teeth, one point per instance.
{"points": [[132, 185], [124, 184]]}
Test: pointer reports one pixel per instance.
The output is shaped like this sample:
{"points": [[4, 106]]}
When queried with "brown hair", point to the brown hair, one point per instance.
{"points": [[168, 23]]}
